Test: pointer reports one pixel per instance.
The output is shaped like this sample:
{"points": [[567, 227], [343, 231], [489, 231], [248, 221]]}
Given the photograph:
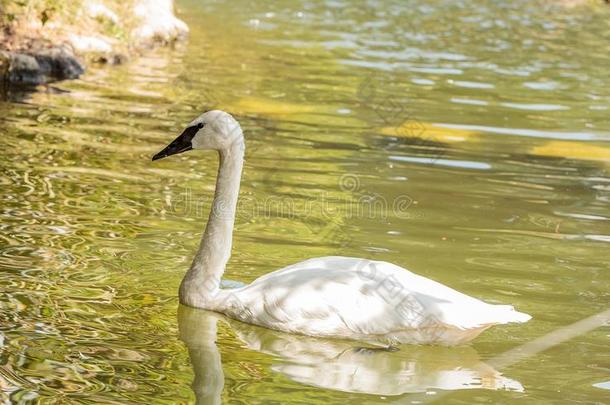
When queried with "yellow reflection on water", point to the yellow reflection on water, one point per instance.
{"points": [[429, 131], [573, 150]]}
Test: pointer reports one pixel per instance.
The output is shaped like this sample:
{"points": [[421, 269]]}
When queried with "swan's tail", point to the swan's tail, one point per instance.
{"points": [[507, 314], [483, 315]]}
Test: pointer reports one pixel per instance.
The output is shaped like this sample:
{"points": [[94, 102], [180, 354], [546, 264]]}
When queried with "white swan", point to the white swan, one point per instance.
{"points": [[340, 297]]}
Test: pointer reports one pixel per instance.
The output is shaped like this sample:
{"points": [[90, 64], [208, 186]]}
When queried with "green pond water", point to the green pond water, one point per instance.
{"points": [[467, 141]]}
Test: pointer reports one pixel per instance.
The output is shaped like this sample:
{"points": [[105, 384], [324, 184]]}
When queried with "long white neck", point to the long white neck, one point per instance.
{"points": [[202, 281]]}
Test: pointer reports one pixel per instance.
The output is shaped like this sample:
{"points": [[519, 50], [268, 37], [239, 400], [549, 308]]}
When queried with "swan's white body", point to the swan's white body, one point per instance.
{"points": [[339, 297], [347, 297]]}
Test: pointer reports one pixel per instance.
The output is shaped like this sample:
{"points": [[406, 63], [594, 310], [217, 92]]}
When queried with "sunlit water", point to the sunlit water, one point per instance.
{"points": [[466, 141]]}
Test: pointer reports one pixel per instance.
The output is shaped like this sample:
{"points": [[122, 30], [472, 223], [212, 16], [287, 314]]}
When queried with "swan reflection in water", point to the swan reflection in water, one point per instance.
{"points": [[334, 364]]}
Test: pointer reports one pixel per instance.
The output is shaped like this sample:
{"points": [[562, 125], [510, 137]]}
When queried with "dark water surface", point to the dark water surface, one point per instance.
{"points": [[466, 141]]}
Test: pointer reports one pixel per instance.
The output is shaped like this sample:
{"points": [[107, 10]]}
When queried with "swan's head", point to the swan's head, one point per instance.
{"points": [[214, 129]]}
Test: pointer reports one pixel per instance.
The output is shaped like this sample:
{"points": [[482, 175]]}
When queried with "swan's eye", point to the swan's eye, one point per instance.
{"points": [[200, 125]]}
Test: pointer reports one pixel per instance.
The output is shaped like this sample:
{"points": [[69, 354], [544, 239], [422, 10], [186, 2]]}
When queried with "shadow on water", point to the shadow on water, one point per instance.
{"points": [[334, 364], [15, 93]]}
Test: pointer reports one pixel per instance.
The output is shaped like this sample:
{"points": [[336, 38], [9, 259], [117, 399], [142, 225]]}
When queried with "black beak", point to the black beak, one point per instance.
{"points": [[180, 144]]}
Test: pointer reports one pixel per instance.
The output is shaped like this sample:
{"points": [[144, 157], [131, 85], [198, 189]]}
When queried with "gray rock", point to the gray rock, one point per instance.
{"points": [[42, 66], [60, 62], [24, 69]]}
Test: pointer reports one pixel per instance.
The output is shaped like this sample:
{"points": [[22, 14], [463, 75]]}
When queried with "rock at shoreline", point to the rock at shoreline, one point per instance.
{"points": [[157, 23], [42, 66]]}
